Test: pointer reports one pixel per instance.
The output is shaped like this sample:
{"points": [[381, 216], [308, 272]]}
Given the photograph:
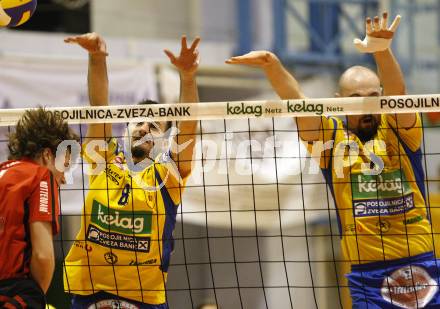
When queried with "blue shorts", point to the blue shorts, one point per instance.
{"points": [[106, 300], [405, 283]]}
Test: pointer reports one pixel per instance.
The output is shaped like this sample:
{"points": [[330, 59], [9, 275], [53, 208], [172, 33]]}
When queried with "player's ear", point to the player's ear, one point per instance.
{"points": [[46, 156]]}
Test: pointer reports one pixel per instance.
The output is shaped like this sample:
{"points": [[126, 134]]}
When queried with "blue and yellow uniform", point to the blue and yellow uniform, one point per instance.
{"points": [[378, 188], [125, 240]]}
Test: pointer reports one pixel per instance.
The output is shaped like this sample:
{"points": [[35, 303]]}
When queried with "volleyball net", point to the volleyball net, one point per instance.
{"points": [[256, 226]]}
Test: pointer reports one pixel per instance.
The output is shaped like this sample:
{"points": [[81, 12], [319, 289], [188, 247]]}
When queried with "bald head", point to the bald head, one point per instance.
{"points": [[359, 81]]}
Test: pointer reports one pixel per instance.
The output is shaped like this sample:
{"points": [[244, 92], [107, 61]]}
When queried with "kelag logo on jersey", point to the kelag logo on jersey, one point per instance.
{"points": [[385, 194], [385, 185], [127, 222]]}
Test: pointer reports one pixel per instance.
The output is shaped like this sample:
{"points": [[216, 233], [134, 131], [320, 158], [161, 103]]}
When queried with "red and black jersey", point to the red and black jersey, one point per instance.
{"points": [[28, 193]]}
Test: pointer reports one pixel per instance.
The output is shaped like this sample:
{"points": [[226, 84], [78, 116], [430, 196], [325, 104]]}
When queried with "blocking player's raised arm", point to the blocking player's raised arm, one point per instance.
{"points": [[95, 45], [378, 41], [187, 64], [284, 84]]}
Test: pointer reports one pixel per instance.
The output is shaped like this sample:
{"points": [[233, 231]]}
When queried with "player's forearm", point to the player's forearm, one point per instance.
{"points": [[287, 87], [284, 84], [393, 83], [98, 80], [185, 143], [98, 94], [42, 268], [390, 74], [309, 128], [185, 140]]}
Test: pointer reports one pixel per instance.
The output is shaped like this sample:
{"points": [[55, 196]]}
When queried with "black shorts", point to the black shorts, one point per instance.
{"points": [[21, 293]]}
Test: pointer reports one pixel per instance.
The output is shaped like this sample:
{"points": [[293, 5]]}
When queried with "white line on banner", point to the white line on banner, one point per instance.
{"points": [[239, 110]]}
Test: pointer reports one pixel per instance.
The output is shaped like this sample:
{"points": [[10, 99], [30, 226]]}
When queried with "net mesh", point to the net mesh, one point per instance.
{"points": [[256, 226]]}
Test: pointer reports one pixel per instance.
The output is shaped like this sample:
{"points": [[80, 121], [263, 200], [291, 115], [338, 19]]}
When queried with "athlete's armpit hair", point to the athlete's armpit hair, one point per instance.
{"points": [[36, 130]]}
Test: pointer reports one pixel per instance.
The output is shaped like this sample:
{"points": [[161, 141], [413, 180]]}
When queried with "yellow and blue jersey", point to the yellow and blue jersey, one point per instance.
{"points": [[378, 190], [124, 244]]}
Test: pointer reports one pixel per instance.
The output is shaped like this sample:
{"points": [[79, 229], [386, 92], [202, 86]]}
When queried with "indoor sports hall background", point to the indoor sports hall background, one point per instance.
{"points": [[253, 231]]}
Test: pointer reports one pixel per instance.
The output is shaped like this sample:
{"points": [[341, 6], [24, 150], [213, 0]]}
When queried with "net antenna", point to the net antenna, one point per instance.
{"points": [[72, 4]]}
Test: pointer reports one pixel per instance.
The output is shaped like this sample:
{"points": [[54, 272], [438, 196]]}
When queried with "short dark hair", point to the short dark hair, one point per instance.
{"points": [[148, 102], [36, 130]]}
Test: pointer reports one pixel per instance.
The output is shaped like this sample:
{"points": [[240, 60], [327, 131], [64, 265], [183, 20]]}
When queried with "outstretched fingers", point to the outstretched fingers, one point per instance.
{"points": [[184, 43], [376, 23], [384, 22], [236, 59], [71, 39], [170, 55], [368, 25], [395, 24], [195, 44]]}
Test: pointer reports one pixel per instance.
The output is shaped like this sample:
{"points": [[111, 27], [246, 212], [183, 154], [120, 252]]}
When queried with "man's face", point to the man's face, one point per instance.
{"points": [[142, 138], [364, 126]]}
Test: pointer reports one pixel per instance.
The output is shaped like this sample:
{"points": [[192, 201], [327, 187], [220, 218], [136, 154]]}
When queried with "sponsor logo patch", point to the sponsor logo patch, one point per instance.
{"points": [[352, 228], [44, 197], [147, 262], [112, 304], [111, 258], [118, 241], [82, 245], [413, 220], [385, 185], [385, 194], [116, 220], [383, 226], [383, 207], [409, 287], [114, 176]]}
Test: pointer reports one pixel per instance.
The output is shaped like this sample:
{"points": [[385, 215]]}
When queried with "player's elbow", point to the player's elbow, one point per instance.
{"points": [[185, 170], [43, 259], [42, 268]]}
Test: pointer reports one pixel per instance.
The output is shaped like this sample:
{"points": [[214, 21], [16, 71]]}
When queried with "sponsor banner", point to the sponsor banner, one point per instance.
{"points": [[383, 207], [239, 110], [118, 241], [123, 221]]}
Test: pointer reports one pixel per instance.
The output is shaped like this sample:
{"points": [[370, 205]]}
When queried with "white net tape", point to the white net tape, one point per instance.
{"points": [[237, 110]]}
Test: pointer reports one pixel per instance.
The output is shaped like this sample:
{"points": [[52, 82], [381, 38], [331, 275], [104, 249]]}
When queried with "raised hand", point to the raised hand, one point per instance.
{"points": [[92, 42], [259, 59], [188, 60], [378, 34]]}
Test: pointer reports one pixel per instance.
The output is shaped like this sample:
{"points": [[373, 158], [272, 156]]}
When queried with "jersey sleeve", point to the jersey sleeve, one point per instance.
{"points": [[320, 150], [170, 176], [412, 137], [43, 201], [96, 159]]}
